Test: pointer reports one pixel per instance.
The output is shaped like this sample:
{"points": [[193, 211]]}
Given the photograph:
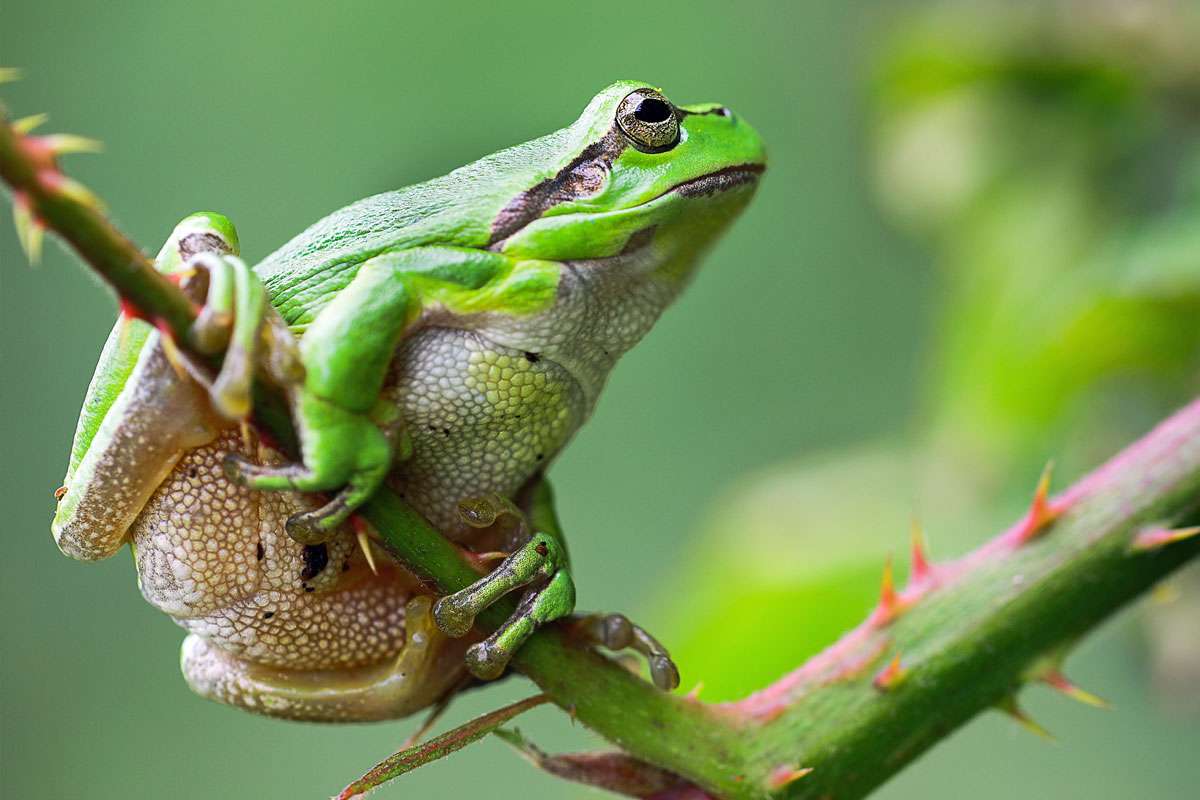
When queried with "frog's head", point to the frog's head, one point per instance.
{"points": [[635, 173]]}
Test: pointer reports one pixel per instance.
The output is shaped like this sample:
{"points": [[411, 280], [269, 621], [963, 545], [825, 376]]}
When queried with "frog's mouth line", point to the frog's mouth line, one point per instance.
{"points": [[721, 180]]}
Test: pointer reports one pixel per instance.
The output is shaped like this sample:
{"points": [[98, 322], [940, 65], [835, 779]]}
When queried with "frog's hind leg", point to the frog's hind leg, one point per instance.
{"points": [[138, 417], [426, 669], [616, 632], [346, 434]]}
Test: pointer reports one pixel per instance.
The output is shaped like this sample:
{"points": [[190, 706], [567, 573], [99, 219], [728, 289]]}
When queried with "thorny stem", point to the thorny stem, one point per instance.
{"points": [[961, 638]]}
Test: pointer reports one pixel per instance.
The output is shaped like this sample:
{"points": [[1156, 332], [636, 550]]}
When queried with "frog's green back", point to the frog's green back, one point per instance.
{"points": [[456, 209]]}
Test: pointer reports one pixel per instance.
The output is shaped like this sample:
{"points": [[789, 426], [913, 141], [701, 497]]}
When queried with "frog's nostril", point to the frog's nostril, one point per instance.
{"points": [[724, 112]]}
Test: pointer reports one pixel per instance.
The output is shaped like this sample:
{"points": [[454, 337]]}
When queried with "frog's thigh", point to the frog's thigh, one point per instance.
{"points": [[428, 665], [156, 417]]}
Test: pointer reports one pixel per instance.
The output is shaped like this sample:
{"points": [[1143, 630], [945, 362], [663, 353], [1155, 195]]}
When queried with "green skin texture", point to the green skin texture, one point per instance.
{"points": [[353, 285]]}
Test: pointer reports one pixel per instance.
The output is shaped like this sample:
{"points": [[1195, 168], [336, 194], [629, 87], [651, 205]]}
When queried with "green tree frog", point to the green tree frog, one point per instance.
{"points": [[448, 338]]}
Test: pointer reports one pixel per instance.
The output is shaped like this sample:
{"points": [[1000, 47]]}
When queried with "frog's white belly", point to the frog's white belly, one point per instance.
{"points": [[216, 557], [279, 628], [483, 418]]}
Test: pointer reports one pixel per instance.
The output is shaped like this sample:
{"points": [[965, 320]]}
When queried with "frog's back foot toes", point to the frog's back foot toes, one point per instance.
{"points": [[232, 320], [538, 561], [283, 355], [538, 567], [616, 632], [486, 661], [484, 511]]}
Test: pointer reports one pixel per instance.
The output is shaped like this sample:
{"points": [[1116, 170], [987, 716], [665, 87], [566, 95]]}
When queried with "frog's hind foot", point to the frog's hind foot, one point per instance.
{"points": [[231, 320], [235, 320], [539, 566], [615, 632]]}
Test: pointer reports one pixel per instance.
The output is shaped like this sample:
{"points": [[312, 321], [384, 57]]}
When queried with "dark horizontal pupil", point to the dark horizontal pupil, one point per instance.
{"points": [[651, 110]]}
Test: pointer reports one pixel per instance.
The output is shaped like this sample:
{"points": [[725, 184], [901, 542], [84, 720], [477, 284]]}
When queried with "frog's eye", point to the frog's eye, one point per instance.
{"points": [[648, 120]]}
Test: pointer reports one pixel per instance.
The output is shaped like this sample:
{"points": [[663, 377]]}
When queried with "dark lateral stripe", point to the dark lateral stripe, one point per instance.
{"points": [[584, 176]]}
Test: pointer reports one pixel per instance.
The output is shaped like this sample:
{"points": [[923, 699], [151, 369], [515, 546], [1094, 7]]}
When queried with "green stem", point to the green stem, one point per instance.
{"points": [[83, 225], [966, 636], [971, 634]]}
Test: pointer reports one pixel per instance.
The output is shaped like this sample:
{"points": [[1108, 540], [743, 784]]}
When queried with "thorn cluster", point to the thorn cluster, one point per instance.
{"points": [[42, 153]]}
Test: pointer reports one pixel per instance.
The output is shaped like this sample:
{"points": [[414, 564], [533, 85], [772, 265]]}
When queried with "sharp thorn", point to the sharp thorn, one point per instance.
{"points": [[887, 588], [364, 544], [174, 357], [889, 602], [1041, 511], [73, 189], [30, 233], [246, 433], [1153, 538], [890, 676], [28, 124], [694, 694], [62, 144], [1061, 683], [1010, 707], [921, 570], [785, 774]]}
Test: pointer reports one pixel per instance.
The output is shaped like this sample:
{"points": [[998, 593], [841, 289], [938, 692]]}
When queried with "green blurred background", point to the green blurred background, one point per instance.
{"points": [[978, 247]]}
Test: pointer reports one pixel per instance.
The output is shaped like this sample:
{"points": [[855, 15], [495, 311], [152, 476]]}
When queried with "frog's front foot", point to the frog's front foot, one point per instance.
{"points": [[540, 566], [341, 451]]}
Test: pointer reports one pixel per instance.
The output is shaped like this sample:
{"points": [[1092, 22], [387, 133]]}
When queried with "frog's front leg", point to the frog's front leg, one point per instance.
{"points": [[541, 564], [345, 440]]}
